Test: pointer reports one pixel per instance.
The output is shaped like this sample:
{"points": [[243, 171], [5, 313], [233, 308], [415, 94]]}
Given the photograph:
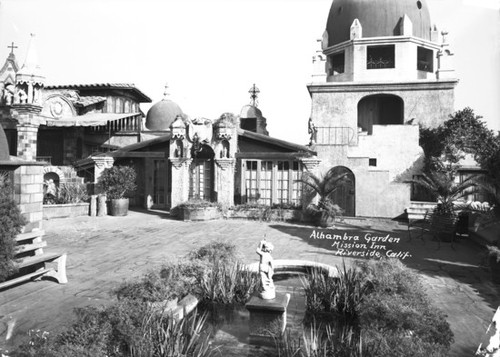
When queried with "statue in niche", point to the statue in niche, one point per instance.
{"points": [[9, 96], [178, 152], [312, 130], [22, 96], [266, 270], [224, 152]]}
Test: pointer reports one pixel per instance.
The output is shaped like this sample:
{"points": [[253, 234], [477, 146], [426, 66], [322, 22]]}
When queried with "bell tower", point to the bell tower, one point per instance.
{"points": [[27, 103]]}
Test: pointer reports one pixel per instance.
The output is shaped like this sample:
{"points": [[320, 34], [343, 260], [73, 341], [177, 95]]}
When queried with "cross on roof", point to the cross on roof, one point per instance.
{"points": [[254, 91], [12, 47], [165, 93]]}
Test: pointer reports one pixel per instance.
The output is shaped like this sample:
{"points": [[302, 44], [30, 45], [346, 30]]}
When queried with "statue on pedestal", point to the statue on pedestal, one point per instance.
{"points": [[266, 270]]}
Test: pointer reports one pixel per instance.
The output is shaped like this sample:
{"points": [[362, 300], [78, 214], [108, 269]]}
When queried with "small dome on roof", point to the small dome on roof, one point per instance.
{"points": [[250, 111], [161, 115]]}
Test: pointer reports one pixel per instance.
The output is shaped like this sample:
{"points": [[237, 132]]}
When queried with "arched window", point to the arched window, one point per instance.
{"points": [[380, 109]]}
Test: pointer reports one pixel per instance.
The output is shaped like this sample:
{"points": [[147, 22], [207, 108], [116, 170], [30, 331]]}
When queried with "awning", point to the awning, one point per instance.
{"points": [[91, 119]]}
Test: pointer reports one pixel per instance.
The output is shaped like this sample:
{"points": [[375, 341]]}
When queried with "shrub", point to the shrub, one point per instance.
{"points": [[384, 305], [398, 305], [392, 277], [128, 329], [118, 181], [11, 222], [172, 281], [72, 193], [197, 203], [215, 251]]}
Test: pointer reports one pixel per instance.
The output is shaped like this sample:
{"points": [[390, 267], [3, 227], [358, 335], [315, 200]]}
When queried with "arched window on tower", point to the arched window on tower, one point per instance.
{"points": [[380, 109]]}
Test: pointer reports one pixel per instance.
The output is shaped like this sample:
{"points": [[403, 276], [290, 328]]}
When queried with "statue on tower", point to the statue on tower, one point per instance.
{"points": [[312, 130]]}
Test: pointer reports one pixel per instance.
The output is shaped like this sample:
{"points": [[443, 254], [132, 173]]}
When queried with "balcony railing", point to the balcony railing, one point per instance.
{"points": [[335, 135], [379, 63]]}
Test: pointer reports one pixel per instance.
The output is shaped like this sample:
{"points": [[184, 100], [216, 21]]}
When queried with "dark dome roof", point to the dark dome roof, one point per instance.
{"points": [[4, 147], [377, 18], [161, 115], [250, 111]]}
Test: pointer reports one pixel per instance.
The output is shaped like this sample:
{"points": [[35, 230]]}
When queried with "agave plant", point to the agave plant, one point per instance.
{"points": [[442, 186], [325, 186]]}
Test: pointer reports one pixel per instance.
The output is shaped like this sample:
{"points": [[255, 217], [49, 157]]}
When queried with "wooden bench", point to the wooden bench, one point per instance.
{"points": [[33, 263], [437, 225]]}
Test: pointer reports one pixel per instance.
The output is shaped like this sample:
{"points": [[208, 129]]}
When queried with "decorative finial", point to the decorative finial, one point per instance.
{"points": [[12, 48], [444, 33], [254, 91], [165, 93]]}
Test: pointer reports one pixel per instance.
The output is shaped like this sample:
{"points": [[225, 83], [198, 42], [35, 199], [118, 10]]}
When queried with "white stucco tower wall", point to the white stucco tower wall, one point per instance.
{"points": [[383, 79]]}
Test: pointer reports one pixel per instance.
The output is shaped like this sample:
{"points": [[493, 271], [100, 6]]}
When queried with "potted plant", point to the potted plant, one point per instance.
{"points": [[118, 182], [324, 186], [197, 209], [494, 263]]}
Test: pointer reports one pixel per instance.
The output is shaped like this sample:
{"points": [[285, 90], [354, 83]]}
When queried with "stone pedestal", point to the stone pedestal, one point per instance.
{"points": [[267, 315]]}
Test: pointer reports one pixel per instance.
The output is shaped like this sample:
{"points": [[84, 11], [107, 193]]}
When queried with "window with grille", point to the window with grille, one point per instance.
{"points": [[267, 182], [251, 181], [200, 185], [380, 57]]}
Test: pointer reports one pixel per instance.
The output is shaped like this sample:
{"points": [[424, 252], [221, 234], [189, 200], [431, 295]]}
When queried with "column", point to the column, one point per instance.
{"points": [[224, 181], [180, 180], [100, 164], [310, 165], [27, 141]]}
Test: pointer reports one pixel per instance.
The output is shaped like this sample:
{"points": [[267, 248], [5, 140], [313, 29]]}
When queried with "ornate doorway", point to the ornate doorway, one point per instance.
{"points": [[160, 182], [345, 195], [201, 176]]}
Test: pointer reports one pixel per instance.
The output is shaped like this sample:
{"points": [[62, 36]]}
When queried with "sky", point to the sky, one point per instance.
{"points": [[211, 52]]}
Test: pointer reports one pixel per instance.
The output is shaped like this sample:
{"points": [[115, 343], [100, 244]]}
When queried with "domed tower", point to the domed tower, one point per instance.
{"points": [[29, 79], [162, 114], [251, 117], [378, 40], [383, 68]]}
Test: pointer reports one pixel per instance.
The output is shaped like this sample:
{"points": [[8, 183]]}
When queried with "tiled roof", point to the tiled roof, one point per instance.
{"points": [[91, 119], [125, 86], [89, 100], [278, 142]]}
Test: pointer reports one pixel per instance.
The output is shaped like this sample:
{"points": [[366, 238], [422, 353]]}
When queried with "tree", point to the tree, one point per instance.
{"points": [[463, 133]]}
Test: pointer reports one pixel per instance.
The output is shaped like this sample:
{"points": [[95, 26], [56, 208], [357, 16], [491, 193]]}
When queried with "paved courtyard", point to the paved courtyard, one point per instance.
{"points": [[104, 251]]}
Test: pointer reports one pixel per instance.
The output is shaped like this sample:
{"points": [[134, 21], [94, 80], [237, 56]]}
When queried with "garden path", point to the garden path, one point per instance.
{"points": [[104, 251]]}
